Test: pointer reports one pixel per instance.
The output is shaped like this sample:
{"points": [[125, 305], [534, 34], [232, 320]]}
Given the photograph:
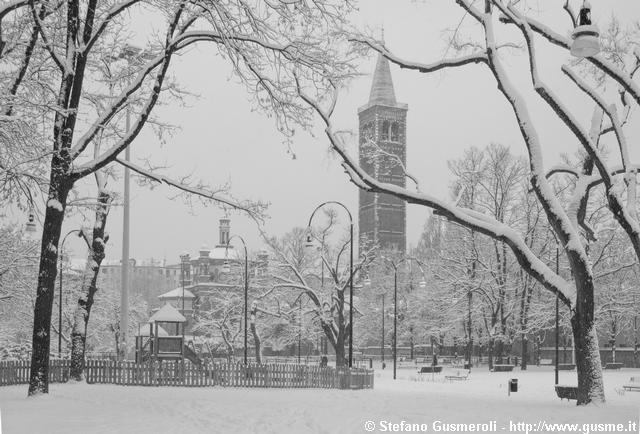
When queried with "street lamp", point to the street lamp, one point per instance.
{"points": [[226, 267], [130, 54], [309, 244], [585, 35], [557, 314], [395, 266], [30, 226], [79, 231], [184, 260]]}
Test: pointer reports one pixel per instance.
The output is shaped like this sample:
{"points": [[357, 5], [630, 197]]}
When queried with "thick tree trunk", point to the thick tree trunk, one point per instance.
{"points": [[588, 365], [85, 301], [340, 353], [490, 353], [257, 342], [525, 353], [499, 350], [54, 216]]}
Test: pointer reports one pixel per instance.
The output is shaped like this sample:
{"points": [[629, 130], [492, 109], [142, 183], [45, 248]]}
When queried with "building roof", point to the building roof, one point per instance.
{"points": [[382, 91], [221, 252], [177, 293], [167, 313], [144, 330]]}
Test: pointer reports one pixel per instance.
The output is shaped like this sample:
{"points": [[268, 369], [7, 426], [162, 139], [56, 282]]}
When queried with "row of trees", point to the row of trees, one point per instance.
{"points": [[62, 122], [64, 103], [496, 26]]}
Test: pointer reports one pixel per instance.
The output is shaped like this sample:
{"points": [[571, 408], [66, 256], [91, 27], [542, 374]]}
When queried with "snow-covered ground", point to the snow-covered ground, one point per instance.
{"points": [[82, 408]]}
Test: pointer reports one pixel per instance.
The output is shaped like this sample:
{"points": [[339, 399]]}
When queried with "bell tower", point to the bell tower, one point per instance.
{"points": [[382, 218]]}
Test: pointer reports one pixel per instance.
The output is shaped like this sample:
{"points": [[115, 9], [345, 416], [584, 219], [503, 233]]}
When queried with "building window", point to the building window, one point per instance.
{"points": [[395, 132], [385, 131]]}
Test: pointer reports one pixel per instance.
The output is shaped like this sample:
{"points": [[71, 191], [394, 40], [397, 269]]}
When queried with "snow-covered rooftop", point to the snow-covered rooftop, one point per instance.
{"points": [[167, 313], [221, 252], [177, 293]]}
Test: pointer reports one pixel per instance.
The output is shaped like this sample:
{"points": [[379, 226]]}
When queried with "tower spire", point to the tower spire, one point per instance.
{"points": [[382, 91]]}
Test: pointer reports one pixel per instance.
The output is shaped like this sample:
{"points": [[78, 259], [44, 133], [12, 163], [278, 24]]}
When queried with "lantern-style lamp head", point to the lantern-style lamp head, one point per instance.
{"points": [[367, 282], [586, 42], [309, 243], [226, 267], [31, 223], [422, 284]]}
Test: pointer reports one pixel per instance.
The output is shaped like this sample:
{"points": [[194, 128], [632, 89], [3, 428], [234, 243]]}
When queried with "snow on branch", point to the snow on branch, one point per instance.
{"points": [[623, 78], [609, 110], [466, 217], [256, 210], [480, 57]]}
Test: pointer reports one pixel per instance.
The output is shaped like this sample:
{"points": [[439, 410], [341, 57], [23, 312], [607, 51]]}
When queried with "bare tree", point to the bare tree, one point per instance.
{"points": [[296, 272], [264, 42], [566, 221]]}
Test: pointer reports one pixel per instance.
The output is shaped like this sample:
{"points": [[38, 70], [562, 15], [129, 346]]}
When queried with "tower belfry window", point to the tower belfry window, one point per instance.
{"points": [[395, 132], [385, 130]]}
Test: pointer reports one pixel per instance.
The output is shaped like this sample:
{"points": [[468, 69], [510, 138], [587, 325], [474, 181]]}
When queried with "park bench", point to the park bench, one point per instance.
{"points": [[459, 376], [546, 362], [567, 392], [430, 369], [503, 368], [566, 367], [633, 384], [613, 366]]}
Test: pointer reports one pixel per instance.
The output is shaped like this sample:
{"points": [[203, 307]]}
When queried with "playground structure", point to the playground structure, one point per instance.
{"points": [[163, 338]]}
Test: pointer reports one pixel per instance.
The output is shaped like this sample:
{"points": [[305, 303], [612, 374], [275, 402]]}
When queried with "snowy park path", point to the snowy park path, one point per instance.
{"points": [[82, 408]]}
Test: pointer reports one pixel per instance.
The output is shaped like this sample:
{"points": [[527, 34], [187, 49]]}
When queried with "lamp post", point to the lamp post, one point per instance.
{"points": [[557, 315], [30, 226], [226, 268], [299, 327], [60, 295], [184, 261], [130, 54], [382, 341], [422, 284], [310, 244], [586, 35]]}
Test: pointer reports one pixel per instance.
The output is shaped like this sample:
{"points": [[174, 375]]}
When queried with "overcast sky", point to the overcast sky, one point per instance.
{"points": [[221, 139]]}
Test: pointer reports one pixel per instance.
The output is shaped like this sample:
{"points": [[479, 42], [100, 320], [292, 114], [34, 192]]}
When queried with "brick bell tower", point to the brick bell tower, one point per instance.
{"points": [[383, 137]]}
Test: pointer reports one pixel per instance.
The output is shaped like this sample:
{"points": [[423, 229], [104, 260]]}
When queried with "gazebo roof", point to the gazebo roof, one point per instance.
{"points": [[177, 293], [168, 313]]}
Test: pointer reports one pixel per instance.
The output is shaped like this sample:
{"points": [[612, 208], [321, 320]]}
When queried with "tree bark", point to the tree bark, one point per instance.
{"points": [[54, 215], [490, 353], [256, 337], [339, 349], [588, 364], [85, 301], [525, 353]]}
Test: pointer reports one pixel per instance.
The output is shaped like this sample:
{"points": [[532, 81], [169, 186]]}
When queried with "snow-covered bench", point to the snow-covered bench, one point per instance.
{"points": [[567, 392], [459, 375], [613, 366], [503, 368], [430, 369], [566, 367], [633, 384]]}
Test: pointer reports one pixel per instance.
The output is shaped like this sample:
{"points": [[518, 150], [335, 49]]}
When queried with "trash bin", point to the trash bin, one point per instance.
{"points": [[513, 385]]}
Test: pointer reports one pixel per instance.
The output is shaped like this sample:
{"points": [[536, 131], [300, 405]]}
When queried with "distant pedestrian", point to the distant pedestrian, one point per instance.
{"points": [[435, 360]]}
